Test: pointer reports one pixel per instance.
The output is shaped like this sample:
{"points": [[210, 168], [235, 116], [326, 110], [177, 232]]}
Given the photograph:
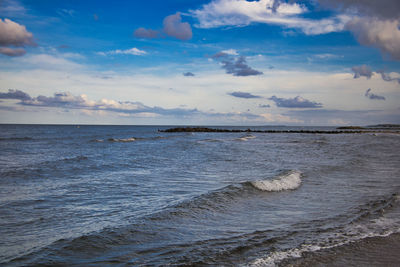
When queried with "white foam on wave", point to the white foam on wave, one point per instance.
{"points": [[274, 258], [131, 139], [245, 138], [287, 181], [376, 227]]}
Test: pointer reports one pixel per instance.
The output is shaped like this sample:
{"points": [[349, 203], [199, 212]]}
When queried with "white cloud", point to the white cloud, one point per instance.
{"points": [[231, 52], [132, 51], [221, 13], [205, 91]]}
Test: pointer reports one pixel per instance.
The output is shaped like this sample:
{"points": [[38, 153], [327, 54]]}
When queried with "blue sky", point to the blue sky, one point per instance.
{"points": [[214, 62]]}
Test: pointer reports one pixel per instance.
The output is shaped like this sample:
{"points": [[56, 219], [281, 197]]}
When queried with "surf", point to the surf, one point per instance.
{"points": [[288, 181]]}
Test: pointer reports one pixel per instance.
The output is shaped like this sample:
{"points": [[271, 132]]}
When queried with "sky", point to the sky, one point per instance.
{"points": [[192, 62]]}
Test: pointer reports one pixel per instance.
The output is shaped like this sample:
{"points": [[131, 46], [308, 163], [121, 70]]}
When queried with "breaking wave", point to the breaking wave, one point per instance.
{"points": [[245, 138], [124, 140], [370, 222], [287, 181]]}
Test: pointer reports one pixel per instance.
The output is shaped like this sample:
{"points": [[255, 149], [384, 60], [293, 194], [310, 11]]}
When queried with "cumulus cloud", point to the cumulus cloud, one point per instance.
{"points": [[131, 51], [146, 33], [15, 94], [382, 34], [235, 66], [374, 23], [188, 74], [388, 9], [387, 77], [219, 13], [14, 34], [362, 70], [174, 27], [297, 102], [243, 95], [373, 96]]}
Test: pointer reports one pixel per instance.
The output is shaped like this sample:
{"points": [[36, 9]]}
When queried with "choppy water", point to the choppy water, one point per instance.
{"points": [[129, 195]]}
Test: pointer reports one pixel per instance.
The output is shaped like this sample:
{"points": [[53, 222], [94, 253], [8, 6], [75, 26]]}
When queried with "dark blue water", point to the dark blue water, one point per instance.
{"points": [[130, 195]]}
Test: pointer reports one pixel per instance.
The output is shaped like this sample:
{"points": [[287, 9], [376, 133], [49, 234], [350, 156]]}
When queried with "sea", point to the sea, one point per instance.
{"points": [[82, 195]]}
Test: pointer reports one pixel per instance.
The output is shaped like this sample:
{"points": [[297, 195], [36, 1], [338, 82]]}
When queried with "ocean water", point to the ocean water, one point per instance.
{"points": [[133, 196]]}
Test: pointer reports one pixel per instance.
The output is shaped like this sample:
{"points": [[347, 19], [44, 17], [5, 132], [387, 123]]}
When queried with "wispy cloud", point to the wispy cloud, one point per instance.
{"points": [[66, 12], [387, 77], [12, 52], [231, 52], [12, 8], [373, 96], [297, 102], [131, 51], [219, 13], [66, 101], [347, 117], [48, 61], [146, 33], [243, 95]]}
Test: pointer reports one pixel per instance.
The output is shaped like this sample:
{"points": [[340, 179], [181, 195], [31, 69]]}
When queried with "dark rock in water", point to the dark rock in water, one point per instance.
{"points": [[212, 130], [350, 128], [385, 126]]}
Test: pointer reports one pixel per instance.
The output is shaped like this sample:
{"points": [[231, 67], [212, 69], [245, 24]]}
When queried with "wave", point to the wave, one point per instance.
{"points": [[77, 158], [16, 139], [124, 140], [288, 181], [154, 230], [149, 241], [131, 139], [245, 138], [371, 221]]}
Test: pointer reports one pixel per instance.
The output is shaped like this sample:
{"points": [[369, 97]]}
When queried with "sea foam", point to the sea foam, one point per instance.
{"points": [[125, 140], [287, 181]]}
